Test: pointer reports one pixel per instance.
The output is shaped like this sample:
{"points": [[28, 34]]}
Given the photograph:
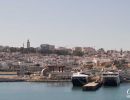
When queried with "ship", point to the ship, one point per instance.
{"points": [[79, 79], [111, 78]]}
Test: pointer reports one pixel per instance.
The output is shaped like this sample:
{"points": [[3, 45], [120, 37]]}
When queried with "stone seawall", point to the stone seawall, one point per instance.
{"points": [[11, 79]]}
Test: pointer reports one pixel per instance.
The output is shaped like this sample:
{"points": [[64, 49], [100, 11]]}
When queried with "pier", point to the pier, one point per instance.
{"points": [[91, 86], [11, 79]]}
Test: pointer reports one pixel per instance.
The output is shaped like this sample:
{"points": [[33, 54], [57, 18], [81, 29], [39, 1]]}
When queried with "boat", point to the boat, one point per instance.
{"points": [[79, 79], [111, 78]]}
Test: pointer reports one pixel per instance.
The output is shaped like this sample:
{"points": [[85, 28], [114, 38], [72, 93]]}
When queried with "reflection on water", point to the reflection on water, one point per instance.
{"points": [[76, 88], [57, 84], [111, 87]]}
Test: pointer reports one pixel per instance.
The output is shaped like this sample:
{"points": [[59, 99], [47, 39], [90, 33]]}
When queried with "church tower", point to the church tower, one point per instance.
{"points": [[28, 44]]}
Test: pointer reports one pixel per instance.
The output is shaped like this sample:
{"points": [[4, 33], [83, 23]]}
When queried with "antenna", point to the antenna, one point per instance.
{"points": [[23, 45]]}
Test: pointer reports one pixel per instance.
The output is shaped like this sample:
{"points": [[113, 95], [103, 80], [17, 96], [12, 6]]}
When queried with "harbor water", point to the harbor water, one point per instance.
{"points": [[60, 91]]}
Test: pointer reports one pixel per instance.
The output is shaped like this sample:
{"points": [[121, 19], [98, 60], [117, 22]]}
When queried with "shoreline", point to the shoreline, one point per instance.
{"points": [[48, 81], [38, 79], [19, 79]]}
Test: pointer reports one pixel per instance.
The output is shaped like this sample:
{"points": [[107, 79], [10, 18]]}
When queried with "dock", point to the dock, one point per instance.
{"points": [[11, 79], [91, 86]]}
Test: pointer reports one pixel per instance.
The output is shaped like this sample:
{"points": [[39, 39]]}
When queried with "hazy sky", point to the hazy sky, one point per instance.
{"points": [[95, 23]]}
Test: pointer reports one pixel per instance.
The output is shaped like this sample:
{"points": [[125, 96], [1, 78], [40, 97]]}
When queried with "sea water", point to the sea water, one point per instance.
{"points": [[60, 91]]}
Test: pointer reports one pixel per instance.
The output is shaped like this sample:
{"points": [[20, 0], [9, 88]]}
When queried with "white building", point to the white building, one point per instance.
{"points": [[47, 47]]}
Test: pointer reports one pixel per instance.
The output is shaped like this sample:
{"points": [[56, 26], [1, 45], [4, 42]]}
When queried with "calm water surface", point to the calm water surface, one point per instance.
{"points": [[59, 91]]}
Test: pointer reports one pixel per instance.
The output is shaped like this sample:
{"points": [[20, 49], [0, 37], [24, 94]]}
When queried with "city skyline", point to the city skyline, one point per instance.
{"points": [[69, 23]]}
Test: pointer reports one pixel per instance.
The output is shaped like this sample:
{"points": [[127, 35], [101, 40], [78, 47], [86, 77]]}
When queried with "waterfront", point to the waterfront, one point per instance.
{"points": [[59, 91]]}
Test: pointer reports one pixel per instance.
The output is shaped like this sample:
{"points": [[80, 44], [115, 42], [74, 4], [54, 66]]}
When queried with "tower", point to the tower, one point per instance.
{"points": [[28, 44], [23, 45], [121, 52]]}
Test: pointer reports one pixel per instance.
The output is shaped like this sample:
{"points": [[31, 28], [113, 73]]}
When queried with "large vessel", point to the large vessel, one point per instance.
{"points": [[79, 79], [111, 78]]}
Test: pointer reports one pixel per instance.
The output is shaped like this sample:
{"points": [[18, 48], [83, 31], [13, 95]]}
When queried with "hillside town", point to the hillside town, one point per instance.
{"points": [[49, 63]]}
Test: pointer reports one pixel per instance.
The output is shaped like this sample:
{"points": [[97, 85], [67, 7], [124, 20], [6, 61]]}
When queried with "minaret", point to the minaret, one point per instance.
{"points": [[23, 45], [28, 44], [121, 52]]}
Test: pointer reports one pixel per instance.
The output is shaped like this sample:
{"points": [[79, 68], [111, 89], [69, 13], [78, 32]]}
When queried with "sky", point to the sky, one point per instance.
{"points": [[69, 23]]}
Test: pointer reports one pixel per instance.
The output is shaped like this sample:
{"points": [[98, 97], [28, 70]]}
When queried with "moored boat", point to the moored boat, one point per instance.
{"points": [[111, 79], [79, 79]]}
